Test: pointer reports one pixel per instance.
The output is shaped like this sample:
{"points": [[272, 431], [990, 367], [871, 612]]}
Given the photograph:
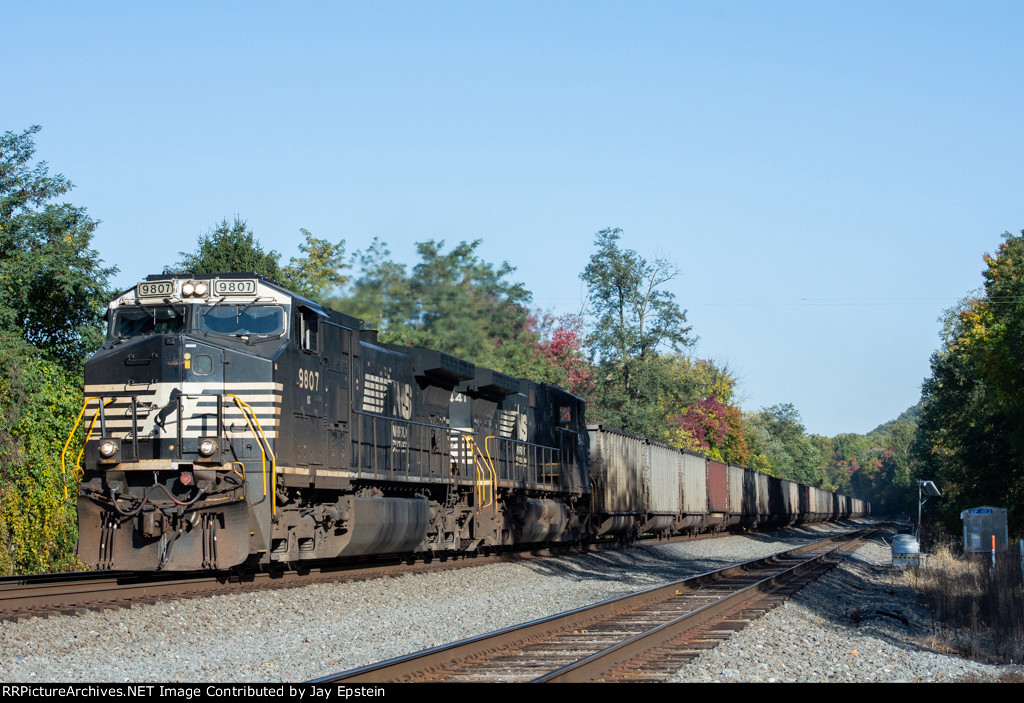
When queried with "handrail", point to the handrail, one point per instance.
{"points": [[261, 439], [537, 452], [490, 465], [483, 500], [92, 426], [448, 428], [263, 454], [468, 439], [74, 428]]}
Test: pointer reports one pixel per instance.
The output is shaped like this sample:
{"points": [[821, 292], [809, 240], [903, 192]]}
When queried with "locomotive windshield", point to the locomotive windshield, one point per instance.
{"points": [[242, 319], [132, 322]]}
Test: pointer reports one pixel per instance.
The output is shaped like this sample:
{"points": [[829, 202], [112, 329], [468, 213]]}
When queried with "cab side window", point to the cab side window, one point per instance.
{"points": [[309, 330]]}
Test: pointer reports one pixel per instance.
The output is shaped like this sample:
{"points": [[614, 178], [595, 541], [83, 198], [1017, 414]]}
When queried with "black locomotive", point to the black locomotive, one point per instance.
{"points": [[232, 423]]}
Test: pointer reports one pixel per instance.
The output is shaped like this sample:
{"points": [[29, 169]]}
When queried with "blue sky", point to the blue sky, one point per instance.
{"points": [[826, 175]]}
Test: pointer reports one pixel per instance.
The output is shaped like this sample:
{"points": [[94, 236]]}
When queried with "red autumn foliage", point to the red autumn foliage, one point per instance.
{"points": [[707, 422]]}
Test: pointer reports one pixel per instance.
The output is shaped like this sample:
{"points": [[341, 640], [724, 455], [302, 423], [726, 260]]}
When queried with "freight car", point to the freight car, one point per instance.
{"points": [[230, 423]]}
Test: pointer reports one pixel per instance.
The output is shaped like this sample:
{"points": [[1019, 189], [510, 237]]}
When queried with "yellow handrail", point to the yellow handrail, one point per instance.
{"points": [[481, 491], [468, 439], [92, 426], [263, 454], [71, 435], [261, 439], [490, 465]]}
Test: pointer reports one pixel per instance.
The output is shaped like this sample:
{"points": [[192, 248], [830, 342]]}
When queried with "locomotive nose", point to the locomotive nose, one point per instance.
{"points": [[160, 399]]}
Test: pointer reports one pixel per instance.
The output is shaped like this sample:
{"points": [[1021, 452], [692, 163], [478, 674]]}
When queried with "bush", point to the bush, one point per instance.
{"points": [[39, 401]]}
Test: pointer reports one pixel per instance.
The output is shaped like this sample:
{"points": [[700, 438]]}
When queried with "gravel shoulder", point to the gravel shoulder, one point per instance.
{"points": [[303, 633]]}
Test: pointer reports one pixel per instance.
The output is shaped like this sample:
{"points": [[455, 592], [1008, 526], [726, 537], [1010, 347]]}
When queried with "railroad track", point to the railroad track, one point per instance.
{"points": [[68, 593], [50, 594], [645, 636], [43, 595]]}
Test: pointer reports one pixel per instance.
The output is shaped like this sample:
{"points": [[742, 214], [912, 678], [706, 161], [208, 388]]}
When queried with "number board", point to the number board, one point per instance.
{"points": [[245, 286], [155, 289]]}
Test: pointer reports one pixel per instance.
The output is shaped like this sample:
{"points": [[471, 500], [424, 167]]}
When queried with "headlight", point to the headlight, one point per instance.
{"points": [[108, 448], [201, 288], [207, 447], [188, 289]]}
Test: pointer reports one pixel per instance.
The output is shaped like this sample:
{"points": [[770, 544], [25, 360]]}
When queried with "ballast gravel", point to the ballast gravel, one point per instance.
{"points": [[854, 625], [833, 631]]}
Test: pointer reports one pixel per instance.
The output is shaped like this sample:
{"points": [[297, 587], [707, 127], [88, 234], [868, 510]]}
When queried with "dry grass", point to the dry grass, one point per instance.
{"points": [[977, 610]]}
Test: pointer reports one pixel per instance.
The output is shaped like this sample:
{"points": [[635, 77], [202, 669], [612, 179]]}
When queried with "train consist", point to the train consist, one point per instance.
{"points": [[232, 423]]}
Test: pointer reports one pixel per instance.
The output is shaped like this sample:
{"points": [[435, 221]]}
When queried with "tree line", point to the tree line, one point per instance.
{"points": [[54, 289], [970, 439], [627, 353]]}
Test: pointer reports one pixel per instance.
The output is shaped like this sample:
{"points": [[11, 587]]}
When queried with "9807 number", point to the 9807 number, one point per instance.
{"points": [[246, 286], [309, 380]]}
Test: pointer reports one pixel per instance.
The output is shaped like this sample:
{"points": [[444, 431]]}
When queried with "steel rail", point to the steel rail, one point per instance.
{"points": [[592, 667], [432, 664]]}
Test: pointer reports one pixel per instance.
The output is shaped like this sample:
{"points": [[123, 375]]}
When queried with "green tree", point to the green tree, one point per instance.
{"points": [[971, 429], [54, 291], [758, 439], [465, 306], [865, 483], [318, 273], [230, 248], [52, 285], [381, 295], [633, 315], [783, 445], [452, 301], [633, 318], [39, 400]]}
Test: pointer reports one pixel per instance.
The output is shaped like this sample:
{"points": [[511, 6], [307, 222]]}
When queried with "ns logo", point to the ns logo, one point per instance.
{"points": [[403, 400], [380, 392]]}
